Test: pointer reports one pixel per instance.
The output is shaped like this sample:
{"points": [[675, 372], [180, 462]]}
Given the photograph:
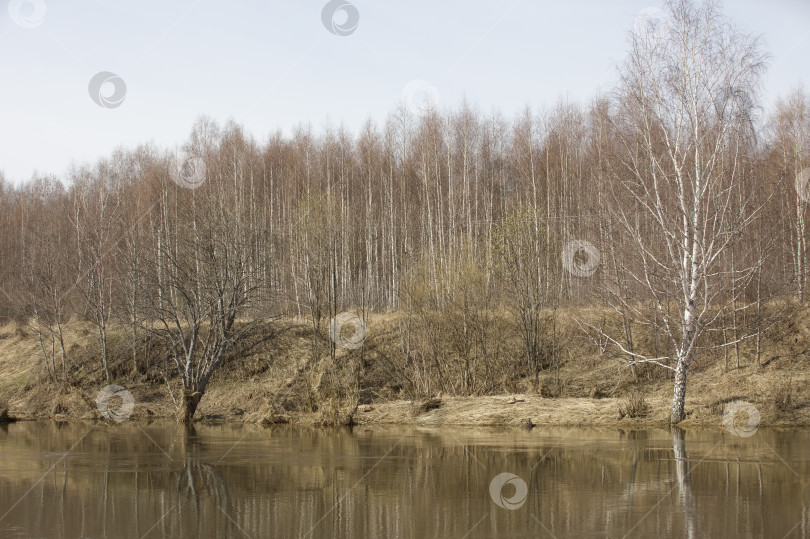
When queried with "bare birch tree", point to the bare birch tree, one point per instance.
{"points": [[683, 105], [790, 128]]}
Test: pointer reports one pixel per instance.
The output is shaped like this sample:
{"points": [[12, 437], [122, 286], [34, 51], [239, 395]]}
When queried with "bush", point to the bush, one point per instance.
{"points": [[551, 387], [633, 406], [782, 394], [4, 417]]}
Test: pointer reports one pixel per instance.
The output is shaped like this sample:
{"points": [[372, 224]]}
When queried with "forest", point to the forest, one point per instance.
{"points": [[673, 205]]}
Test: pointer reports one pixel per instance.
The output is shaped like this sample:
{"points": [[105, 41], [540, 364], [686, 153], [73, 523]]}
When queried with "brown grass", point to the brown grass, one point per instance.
{"points": [[273, 379]]}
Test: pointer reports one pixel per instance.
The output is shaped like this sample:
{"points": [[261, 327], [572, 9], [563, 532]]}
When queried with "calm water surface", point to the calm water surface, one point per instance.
{"points": [[86, 480]]}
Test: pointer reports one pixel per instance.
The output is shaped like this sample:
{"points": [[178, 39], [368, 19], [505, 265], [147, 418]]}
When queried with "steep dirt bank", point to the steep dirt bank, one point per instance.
{"points": [[271, 380]]}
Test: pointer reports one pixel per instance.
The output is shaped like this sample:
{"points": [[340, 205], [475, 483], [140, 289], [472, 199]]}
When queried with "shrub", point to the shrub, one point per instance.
{"points": [[782, 394], [633, 406]]}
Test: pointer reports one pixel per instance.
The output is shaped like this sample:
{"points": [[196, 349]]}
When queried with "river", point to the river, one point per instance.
{"points": [[126, 480]]}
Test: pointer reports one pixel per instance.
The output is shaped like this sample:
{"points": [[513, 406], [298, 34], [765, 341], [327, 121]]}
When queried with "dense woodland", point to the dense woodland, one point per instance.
{"points": [[676, 200]]}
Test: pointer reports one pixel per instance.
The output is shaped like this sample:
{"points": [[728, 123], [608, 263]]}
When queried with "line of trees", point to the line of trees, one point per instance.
{"points": [[694, 203]]}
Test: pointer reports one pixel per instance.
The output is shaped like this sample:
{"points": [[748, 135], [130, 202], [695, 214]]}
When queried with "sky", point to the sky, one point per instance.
{"points": [[79, 78]]}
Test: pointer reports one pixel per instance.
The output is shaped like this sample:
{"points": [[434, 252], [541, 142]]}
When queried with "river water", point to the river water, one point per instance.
{"points": [[126, 480]]}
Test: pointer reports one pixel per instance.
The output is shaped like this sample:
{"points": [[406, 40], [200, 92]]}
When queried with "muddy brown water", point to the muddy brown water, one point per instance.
{"points": [[127, 480]]}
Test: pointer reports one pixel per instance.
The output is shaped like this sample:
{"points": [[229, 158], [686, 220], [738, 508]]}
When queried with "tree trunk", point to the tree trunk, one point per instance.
{"points": [[679, 393], [690, 329], [191, 399], [102, 331]]}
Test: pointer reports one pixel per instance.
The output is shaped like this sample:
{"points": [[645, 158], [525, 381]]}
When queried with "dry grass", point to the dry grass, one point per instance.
{"points": [[274, 380], [497, 411]]}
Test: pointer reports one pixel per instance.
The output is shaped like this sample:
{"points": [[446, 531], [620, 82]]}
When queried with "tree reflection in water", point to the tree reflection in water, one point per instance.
{"points": [[201, 491], [129, 481], [682, 473]]}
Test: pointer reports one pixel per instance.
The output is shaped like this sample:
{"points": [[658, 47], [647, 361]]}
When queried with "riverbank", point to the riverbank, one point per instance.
{"points": [[520, 410], [271, 381], [248, 403]]}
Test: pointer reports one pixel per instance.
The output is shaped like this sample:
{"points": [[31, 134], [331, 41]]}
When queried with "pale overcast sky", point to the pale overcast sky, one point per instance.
{"points": [[271, 65]]}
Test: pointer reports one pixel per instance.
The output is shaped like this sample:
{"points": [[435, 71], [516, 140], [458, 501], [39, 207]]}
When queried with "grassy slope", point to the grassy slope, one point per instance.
{"points": [[272, 380]]}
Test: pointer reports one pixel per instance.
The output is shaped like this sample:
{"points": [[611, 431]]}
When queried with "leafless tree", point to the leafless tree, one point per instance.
{"points": [[683, 193], [790, 128], [532, 285], [206, 279], [47, 275]]}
